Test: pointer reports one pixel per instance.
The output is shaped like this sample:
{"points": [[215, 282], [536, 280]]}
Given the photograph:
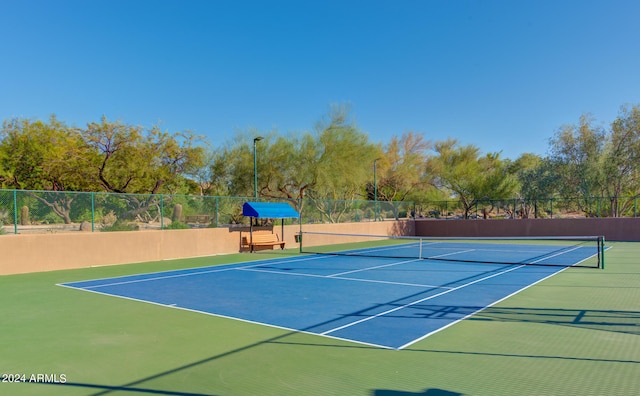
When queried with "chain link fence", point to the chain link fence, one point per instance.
{"points": [[545, 208], [23, 211]]}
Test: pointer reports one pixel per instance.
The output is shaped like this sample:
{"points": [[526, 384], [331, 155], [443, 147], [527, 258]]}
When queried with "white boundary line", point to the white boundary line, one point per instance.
{"points": [[252, 267], [220, 268], [371, 268], [560, 269], [174, 306], [480, 310], [238, 266], [557, 254], [420, 300], [344, 278]]}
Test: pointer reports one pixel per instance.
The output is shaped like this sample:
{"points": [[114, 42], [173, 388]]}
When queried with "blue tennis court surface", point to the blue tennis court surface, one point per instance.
{"points": [[384, 302]]}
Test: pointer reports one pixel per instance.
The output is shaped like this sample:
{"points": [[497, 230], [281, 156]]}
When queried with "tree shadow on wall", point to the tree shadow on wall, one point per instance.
{"points": [[403, 228]]}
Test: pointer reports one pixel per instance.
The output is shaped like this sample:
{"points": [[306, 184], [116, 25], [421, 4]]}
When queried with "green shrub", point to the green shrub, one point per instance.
{"points": [[177, 225], [4, 219], [120, 226]]}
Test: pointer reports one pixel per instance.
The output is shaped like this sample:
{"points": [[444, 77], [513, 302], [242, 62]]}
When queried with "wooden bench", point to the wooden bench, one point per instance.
{"points": [[261, 241]]}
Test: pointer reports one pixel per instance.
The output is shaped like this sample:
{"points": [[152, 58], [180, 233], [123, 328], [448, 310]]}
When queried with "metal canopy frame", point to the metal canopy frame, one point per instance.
{"points": [[268, 210]]}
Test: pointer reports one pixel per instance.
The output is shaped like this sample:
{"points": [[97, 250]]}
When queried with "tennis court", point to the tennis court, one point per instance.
{"points": [[576, 332], [387, 294]]}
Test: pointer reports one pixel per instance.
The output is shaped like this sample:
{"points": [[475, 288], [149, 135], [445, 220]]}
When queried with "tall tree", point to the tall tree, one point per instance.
{"points": [[470, 177], [343, 165], [577, 153], [345, 157], [332, 163], [538, 183], [38, 155], [232, 170], [401, 168], [45, 155], [288, 168], [130, 160], [495, 184], [455, 169], [621, 161]]}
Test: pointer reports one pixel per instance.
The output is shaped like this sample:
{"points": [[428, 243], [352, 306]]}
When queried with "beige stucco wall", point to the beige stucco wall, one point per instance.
{"points": [[48, 252], [613, 229]]}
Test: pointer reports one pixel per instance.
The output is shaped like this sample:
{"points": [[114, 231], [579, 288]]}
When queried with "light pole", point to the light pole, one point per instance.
{"points": [[375, 189], [255, 167]]}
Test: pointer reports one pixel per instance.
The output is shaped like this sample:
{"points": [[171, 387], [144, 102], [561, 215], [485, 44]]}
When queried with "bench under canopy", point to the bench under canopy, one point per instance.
{"points": [[268, 210]]}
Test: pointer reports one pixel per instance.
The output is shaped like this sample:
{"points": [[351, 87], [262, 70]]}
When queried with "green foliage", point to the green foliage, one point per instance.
{"points": [[470, 177], [333, 161], [177, 225], [4, 220], [120, 226], [115, 157], [45, 156], [129, 159], [593, 161], [575, 152], [344, 158], [400, 170], [621, 159]]}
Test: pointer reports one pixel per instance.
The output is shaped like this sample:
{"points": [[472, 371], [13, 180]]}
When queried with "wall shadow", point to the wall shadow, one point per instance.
{"points": [[627, 322], [403, 228], [605, 320], [426, 392]]}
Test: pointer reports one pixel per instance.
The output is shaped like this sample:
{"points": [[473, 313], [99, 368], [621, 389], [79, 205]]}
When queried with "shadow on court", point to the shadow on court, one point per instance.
{"points": [[106, 389], [135, 386], [616, 321], [627, 322], [427, 392]]}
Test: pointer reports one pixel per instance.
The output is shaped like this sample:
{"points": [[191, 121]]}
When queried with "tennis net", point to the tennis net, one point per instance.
{"points": [[574, 251]]}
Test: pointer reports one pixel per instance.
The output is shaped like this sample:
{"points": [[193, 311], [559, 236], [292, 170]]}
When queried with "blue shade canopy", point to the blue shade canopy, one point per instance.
{"points": [[269, 210]]}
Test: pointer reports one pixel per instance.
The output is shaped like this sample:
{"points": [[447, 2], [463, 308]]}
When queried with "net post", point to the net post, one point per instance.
{"points": [[601, 251], [300, 227], [420, 253]]}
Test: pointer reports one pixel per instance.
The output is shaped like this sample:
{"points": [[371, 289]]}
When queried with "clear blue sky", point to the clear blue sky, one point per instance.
{"points": [[502, 75]]}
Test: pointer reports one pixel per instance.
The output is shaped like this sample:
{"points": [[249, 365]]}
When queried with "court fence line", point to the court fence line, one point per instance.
{"points": [[33, 211], [529, 208]]}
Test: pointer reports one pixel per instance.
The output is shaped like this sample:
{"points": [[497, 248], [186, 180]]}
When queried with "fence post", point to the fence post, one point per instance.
{"points": [[216, 212], [93, 211], [15, 211], [161, 212]]}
